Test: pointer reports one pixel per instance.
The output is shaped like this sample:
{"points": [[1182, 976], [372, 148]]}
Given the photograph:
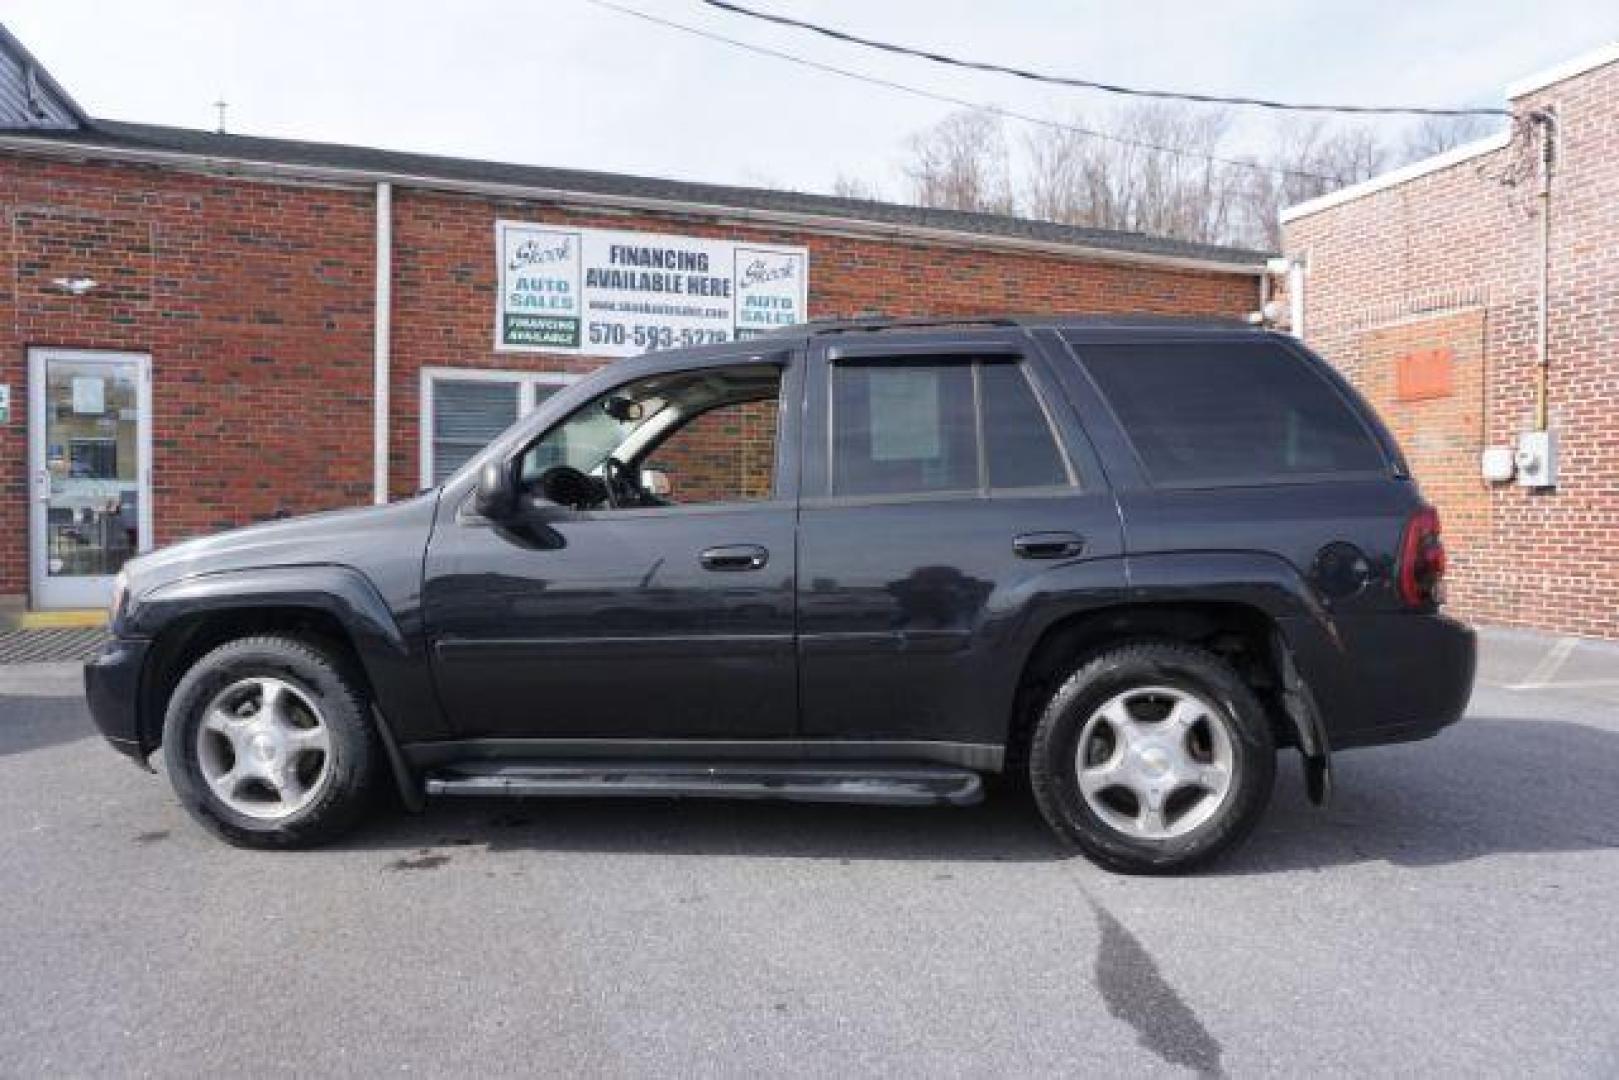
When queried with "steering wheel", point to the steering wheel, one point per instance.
{"points": [[622, 489], [567, 486]]}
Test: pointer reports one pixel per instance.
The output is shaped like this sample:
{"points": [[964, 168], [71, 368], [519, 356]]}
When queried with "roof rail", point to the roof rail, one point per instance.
{"points": [[868, 323], [875, 323]]}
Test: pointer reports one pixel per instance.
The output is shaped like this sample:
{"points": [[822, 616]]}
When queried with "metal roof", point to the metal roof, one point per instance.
{"points": [[292, 157], [30, 99]]}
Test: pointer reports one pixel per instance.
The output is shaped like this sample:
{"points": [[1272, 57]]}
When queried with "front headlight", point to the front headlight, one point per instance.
{"points": [[120, 593]]}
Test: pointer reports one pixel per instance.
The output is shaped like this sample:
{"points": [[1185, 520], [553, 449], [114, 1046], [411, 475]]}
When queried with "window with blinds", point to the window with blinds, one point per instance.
{"points": [[468, 414]]}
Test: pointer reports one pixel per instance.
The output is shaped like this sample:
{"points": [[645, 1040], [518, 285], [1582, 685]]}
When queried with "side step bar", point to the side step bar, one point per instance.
{"points": [[835, 782]]}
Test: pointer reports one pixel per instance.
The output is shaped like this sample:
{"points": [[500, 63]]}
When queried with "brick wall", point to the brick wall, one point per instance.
{"points": [[1447, 261], [1425, 375], [254, 300]]}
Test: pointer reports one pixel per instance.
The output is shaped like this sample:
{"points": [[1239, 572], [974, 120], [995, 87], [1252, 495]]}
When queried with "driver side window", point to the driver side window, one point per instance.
{"points": [[725, 455]]}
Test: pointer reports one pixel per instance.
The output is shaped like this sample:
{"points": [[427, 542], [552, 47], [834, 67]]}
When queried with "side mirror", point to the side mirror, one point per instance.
{"points": [[656, 482], [496, 497]]}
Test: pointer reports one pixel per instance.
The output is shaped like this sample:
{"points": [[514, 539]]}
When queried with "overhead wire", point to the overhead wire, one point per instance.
{"points": [[1092, 84], [950, 99]]}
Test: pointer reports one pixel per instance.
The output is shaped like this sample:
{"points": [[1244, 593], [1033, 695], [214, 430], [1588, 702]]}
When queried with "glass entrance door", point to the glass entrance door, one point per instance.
{"points": [[90, 451]]}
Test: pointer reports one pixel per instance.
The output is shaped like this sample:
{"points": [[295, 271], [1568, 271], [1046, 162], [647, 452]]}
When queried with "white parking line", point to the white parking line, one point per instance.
{"points": [[1541, 675], [1572, 684]]}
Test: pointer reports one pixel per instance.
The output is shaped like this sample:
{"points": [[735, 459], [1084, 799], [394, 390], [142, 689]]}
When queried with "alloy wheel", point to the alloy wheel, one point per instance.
{"points": [[264, 749], [1155, 762]]}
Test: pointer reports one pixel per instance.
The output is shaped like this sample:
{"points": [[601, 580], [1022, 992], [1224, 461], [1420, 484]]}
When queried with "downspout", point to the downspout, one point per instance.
{"points": [[381, 357], [1270, 308], [1548, 135], [1295, 296]]}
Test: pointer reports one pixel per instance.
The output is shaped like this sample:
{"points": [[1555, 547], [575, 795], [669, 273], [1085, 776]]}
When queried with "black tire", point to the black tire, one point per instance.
{"points": [[1054, 771], [353, 756]]}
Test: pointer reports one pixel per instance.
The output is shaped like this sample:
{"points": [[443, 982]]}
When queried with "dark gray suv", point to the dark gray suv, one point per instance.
{"points": [[1122, 560]]}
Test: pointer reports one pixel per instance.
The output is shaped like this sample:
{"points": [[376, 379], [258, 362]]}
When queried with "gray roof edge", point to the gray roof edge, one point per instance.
{"points": [[332, 161], [9, 41]]}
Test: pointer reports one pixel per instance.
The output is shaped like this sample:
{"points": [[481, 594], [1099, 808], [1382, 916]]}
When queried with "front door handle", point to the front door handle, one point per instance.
{"points": [[1048, 545], [735, 557]]}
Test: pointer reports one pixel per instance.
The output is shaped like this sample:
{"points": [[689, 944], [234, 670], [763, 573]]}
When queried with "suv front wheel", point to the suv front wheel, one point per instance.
{"points": [[1153, 758], [268, 743]]}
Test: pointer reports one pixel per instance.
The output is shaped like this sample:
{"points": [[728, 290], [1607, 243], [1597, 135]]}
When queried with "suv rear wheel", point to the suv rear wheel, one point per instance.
{"points": [[1152, 758], [268, 743]]}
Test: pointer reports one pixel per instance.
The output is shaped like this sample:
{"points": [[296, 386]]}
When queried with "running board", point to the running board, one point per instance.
{"points": [[893, 785]]}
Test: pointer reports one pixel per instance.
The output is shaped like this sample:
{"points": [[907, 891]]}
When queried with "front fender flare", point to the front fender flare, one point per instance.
{"points": [[393, 664]]}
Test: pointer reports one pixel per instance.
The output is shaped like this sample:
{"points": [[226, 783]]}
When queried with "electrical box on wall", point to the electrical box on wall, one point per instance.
{"points": [[1496, 464], [1536, 459]]}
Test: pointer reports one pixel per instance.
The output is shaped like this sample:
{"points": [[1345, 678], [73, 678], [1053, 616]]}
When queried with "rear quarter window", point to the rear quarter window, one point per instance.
{"points": [[1230, 413]]}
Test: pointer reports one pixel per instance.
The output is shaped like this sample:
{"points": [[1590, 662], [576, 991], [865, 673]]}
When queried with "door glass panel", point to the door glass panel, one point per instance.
{"points": [[1019, 443], [93, 467], [724, 455]]}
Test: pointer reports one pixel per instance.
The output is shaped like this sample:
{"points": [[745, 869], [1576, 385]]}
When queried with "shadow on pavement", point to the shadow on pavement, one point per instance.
{"points": [[1483, 788], [1006, 828], [37, 723]]}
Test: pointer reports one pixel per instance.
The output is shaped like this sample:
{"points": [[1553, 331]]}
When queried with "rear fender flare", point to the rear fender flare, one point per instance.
{"points": [[1259, 580]]}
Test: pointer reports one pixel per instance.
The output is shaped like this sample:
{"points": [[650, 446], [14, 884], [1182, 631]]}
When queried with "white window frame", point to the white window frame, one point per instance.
{"points": [[524, 384]]}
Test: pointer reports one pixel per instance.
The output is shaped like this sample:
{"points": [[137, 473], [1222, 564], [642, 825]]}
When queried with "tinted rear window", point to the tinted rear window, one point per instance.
{"points": [[1230, 413]]}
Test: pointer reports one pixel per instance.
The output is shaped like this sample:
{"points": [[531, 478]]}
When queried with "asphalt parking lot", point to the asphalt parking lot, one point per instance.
{"points": [[1455, 912]]}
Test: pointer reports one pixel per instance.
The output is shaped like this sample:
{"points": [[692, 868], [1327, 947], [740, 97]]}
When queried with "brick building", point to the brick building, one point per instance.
{"points": [[189, 322], [1429, 286]]}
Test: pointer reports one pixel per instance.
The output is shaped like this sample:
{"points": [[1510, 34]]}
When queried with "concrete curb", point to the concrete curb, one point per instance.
{"points": [[82, 619]]}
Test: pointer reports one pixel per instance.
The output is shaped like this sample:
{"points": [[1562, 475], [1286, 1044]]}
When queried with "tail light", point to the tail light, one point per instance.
{"points": [[1422, 560]]}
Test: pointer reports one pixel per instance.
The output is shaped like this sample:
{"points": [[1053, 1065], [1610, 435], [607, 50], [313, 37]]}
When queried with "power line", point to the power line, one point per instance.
{"points": [[1090, 84], [1039, 121]]}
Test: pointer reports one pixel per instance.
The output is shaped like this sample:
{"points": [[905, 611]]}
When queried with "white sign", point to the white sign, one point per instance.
{"points": [[908, 402], [607, 293], [89, 395]]}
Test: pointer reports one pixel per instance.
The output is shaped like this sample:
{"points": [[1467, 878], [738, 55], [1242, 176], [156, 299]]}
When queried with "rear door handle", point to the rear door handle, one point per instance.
{"points": [[735, 557], [1048, 545]]}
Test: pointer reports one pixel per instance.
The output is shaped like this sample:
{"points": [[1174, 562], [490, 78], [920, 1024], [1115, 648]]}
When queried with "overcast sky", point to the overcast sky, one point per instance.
{"points": [[564, 82]]}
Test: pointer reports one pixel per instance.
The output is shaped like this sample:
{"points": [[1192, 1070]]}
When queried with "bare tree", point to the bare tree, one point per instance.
{"points": [[1179, 188], [1161, 169], [854, 187], [1159, 172], [1307, 161], [1436, 134], [962, 163]]}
